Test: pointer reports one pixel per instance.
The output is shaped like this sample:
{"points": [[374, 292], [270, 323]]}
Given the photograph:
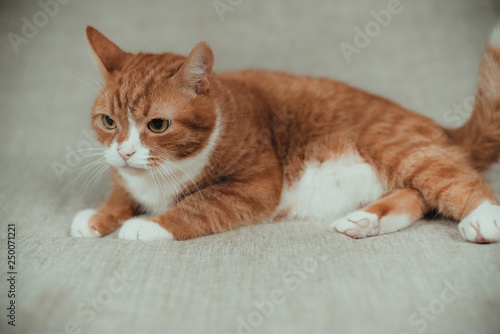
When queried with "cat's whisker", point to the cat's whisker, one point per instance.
{"points": [[99, 155], [91, 87], [91, 168], [182, 184], [91, 149], [95, 162], [170, 183], [95, 177], [100, 85], [82, 74], [83, 170], [154, 182], [189, 176], [158, 187], [73, 73], [170, 180], [91, 155], [99, 163], [172, 175], [186, 198], [65, 155]]}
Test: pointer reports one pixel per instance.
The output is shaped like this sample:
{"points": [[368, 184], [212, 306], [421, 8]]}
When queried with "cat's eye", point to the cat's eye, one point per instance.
{"points": [[108, 122], [158, 125]]}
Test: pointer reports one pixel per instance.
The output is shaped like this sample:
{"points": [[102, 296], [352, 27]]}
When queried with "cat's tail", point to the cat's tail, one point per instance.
{"points": [[480, 135]]}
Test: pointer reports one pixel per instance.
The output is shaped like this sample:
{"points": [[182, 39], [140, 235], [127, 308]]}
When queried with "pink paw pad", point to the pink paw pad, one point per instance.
{"points": [[479, 237], [363, 222], [352, 233], [358, 224]]}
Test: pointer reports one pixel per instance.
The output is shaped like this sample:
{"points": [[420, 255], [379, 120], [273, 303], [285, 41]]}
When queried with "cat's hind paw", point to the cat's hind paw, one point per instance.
{"points": [[482, 225], [80, 227], [358, 224], [144, 230]]}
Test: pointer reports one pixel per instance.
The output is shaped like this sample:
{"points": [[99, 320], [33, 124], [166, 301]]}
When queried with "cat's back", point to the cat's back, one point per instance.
{"points": [[317, 98], [283, 87]]}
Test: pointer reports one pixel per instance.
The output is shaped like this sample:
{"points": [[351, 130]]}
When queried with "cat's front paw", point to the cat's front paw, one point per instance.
{"points": [[81, 225], [482, 225], [358, 224], [144, 230]]}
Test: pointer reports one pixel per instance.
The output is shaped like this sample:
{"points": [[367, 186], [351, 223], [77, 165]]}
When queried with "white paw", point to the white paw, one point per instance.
{"points": [[482, 225], [80, 226], [145, 230], [358, 224]]}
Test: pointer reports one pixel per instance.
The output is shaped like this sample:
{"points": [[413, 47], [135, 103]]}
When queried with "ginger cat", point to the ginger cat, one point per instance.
{"points": [[204, 153]]}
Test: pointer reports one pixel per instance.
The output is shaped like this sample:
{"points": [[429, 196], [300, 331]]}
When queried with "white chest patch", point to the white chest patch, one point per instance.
{"points": [[155, 194], [329, 190]]}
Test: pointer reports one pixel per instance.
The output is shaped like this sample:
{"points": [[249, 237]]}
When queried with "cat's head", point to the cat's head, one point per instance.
{"points": [[153, 107]]}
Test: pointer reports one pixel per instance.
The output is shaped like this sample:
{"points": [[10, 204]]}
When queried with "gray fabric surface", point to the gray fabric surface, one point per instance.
{"points": [[426, 59]]}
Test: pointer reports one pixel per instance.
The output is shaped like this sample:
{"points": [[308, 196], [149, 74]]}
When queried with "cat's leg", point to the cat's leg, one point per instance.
{"points": [[245, 198], [106, 217], [393, 212], [448, 183]]}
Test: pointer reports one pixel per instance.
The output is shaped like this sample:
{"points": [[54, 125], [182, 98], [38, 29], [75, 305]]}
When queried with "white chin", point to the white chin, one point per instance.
{"points": [[132, 170]]}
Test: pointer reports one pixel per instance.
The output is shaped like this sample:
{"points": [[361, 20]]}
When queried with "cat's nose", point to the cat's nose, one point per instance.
{"points": [[125, 154]]}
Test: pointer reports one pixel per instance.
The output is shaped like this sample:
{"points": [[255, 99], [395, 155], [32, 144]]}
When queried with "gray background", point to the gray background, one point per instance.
{"points": [[426, 59]]}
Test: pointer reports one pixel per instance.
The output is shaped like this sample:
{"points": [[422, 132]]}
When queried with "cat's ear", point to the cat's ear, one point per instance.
{"points": [[196, 72], [109, 57]]}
